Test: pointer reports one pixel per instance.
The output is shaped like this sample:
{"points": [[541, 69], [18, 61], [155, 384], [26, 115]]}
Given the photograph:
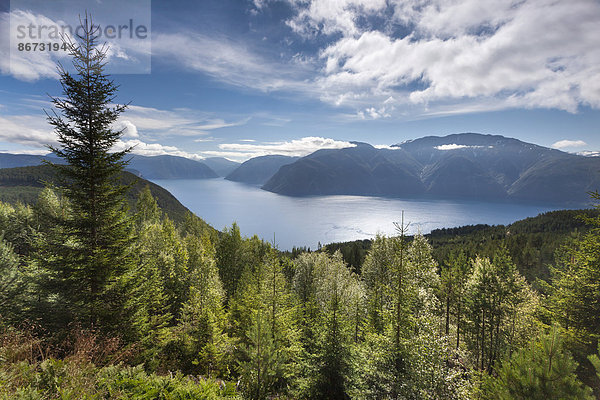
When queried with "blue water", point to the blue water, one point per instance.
{"points": [[306, 221]]}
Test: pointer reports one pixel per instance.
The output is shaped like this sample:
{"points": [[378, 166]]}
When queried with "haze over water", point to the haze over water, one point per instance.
{"points": [[306, 221]]}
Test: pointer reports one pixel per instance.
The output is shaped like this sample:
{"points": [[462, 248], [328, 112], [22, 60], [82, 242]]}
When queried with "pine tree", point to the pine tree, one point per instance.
{"points": [[99, 229], [265, 319], [542, 370], [574, 299]]}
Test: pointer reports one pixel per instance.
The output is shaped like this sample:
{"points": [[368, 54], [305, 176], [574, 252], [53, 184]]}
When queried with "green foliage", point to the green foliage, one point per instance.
{"points": [[541, 370], [500, 309], [264, 321], [12, 283], [332, 302], [206, 347], [235, 255], [98, 226], [57, 379], [574, 299], [403, 354]]}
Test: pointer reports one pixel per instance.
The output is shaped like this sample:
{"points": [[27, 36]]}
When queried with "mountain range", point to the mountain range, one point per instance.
{"points": [[460, 166], [258, 170], [148, 167], [469, 166]]}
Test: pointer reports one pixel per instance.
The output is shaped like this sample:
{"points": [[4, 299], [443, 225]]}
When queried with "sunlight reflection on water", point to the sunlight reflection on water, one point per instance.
{"points": [[305, 221]]}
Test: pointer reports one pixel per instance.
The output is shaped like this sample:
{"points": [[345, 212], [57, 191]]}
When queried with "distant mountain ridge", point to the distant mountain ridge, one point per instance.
{"points": [[220, 165], [460, 166], [149, 167], [258, 170], [170, 167]]}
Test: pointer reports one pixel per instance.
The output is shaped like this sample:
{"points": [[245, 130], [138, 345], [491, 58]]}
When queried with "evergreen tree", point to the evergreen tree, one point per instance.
{"points": [[500, 308], [337, 292], [574, 299], [12, 283], [265, 318], [454, 275], [231, 259], [99, 229], [203, 322], [542, 370]]}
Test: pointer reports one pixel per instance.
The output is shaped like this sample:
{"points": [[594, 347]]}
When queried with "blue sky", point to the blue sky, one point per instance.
{"points": [[240, 78]]}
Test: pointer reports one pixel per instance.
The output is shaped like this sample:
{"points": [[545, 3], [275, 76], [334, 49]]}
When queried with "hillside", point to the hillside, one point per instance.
{"points": [[462, 166], [531, 242], [23, 184], [259, 169]]}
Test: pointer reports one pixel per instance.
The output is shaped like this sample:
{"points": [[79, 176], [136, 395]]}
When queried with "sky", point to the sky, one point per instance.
{"points": [[240, 79]]}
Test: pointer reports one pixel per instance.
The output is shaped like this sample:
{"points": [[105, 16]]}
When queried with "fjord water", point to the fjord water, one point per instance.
{"points": [[306, 221]]}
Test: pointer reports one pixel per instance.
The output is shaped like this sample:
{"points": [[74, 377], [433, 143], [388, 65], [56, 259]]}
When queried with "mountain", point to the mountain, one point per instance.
{"points": [[220, 165], [466, 166], [359, 170], [259, 169], [8, 160], [150, 167], [170, 167], [23, 184]]}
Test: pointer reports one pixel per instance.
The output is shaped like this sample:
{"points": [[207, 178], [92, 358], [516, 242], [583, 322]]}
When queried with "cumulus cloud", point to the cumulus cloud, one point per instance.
{"points": [[330, 17], [530, 53], [294, 148], [153, 149], [128, 128], [564, 144]]}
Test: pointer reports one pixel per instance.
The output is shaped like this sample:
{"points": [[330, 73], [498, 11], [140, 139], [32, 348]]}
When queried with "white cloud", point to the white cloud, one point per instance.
{"points": [[205, 140], [454, 146], [295, 148], [129, 55], [589, 153], [29, 130], [27, 65], [230, 62], [34, 152], [330, 17], [219, 123], [179, 122], [128, 128], [563, 144], [528, 53], [153, 149]]}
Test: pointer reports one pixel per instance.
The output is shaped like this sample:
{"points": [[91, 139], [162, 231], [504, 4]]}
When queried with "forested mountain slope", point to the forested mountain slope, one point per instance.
{"points": [[23, 184]]}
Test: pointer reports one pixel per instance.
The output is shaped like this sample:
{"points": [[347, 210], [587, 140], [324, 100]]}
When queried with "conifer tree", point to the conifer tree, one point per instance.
{"points": [[99, 229], [542, 370], [574, 299]]}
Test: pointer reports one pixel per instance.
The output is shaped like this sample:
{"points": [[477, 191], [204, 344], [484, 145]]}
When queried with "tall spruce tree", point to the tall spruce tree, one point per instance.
{"points": [[96, 256]]}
